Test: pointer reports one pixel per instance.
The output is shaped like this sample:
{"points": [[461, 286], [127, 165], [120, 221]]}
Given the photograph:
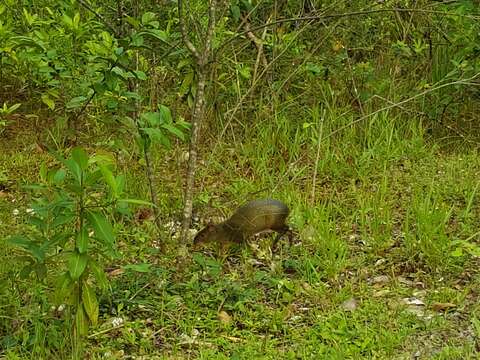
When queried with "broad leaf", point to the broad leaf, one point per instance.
{"points": [[59, 176], [82, 240], [26, 271], [109, 179], [157, 136], [175, 131], [165, 114], [41, 270], [140, 75], [65, 289], [76, 265], [158, 34], [103, 229], [148, 17], [99, 274], [76, 102], [90, 303], [75, 169], [80, 156], [47, 100], [152, 118], [19, 240], [29, 245], [143, 268], [81, 321]]}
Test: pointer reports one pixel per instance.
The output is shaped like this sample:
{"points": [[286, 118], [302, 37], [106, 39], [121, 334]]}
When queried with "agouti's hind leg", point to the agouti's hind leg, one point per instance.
{"points": [[281, 233]]}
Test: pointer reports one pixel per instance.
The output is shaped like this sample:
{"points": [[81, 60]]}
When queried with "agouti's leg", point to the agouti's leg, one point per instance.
{"points": [[280, 234]]}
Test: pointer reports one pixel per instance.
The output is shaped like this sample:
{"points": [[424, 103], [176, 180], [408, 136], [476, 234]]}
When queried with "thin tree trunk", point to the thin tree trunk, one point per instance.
{"points": [[201, 61], [193, 154]]}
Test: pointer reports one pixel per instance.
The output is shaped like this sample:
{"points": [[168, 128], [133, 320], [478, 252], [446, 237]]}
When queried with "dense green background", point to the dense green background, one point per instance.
{"points": [[361, 116]]}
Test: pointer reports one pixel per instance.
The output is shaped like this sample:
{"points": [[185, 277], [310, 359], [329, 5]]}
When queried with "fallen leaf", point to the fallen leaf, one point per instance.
{"points": [[413, 301], [380, 280], [381, 293], [404, 281], [437, 306], [115, 272], [350, 304], [224, 317]]}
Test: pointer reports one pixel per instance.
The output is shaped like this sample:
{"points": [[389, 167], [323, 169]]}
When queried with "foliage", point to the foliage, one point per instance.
{"points": [[70, 229], [361, 116], [4, 114]]}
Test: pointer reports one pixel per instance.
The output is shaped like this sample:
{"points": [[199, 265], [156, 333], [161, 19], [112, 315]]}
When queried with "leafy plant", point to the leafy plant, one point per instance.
{"points": [[71, 230], [5, 111]]}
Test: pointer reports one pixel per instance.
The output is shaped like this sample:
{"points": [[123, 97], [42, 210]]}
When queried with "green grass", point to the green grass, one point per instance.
{"points": [[387, 201]]}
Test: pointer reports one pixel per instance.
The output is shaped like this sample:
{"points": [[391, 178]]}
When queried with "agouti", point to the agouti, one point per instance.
{"points": [[250, 219]]}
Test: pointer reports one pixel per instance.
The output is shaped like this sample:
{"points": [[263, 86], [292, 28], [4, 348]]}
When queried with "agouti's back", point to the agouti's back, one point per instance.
{"points": [[252, 218]]}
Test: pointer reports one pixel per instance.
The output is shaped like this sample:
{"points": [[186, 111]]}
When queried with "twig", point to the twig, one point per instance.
{"points": [[104, 331], [139, 291], [99, 17], [317, 157]]}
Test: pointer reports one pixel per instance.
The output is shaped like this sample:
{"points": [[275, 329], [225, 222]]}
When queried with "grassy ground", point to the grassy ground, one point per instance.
{"points": [[383, 265]]}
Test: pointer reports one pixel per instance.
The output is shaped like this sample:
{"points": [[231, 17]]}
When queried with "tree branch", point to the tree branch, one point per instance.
{"points": [[183, 30]]}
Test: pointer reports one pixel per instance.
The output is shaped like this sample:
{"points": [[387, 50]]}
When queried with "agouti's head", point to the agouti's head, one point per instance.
{"points": [[203, 235]]}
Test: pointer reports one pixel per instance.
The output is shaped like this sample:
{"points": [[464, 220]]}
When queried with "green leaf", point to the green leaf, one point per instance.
{"points": [[43, 172], [48, 101], [81, 321], [90, 303], [457, 252], [76, 20], [40, 270], [314, 68], [148, 17], [59, 176], [109, 179], [64, 288], [81, 157], [157, 136], [143, 268], [76, 102], [103, 229], [29, 245], [104, 159], [174, 130], [14, 107], [165, 114], [151, 118], [120, 180], [136, 202], [19, 240], [235, 10], [67, 20], [98, 274], [39, 223], [185, 86], [156, 33], [82, 240], [26, 271], [118, 71], [244, 71], [140, 75], [76, 265], [137, 40], [74, 168], [6, 110]]}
